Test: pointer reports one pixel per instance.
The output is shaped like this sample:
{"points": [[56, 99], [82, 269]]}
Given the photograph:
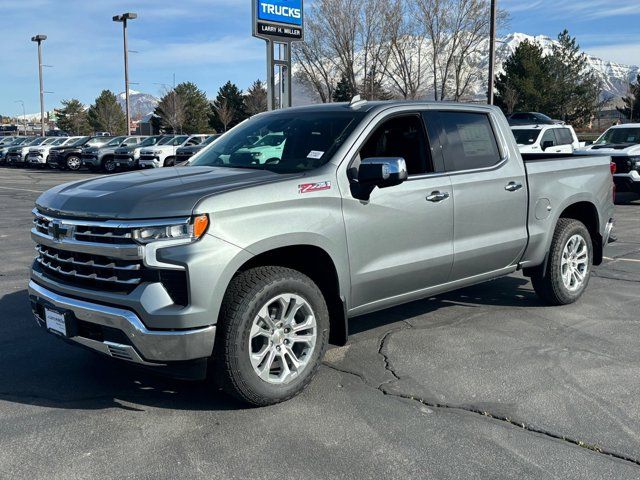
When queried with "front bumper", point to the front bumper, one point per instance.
{"points": [[36, 158], [120, 333], [124, 161], [15, 159], [150, 162], [90, 160], [627, 182]]}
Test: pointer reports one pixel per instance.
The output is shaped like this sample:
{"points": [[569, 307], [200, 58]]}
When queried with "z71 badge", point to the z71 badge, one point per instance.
{"points": [[313, 187]]}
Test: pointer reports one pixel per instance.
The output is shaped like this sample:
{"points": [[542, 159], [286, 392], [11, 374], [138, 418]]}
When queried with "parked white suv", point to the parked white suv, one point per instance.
{"points": [[163, 154], [545, 138], [37, 156]]}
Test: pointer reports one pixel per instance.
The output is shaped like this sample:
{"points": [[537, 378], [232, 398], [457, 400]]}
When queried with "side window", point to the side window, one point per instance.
{"points": [[131, 141], [402, 136], [470, 141], [548, 136], [564, 136]]}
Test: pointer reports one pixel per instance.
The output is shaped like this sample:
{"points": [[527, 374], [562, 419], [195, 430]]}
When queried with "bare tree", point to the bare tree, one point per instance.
{"points": [[225, 112], [171, 110], [406, 51], [510, 98], [255, 100]]}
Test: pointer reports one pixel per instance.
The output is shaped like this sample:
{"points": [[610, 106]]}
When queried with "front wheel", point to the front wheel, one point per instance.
{"points": [[73, 163], [273, 332], [109, 165], [569, 264], [169, 162]]}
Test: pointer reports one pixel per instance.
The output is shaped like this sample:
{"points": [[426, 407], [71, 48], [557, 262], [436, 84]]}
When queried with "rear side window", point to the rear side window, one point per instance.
{"points": [[470, 141], [548, 136], [564, 136]]}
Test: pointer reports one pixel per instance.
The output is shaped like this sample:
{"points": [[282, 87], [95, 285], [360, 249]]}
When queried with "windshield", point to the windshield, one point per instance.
{"points": [[59, 141], [165, 140], [618, 136], [308, 141], [149, 141], [37, 141], [80, 141], [211, 139], [114, 142], [97, 141], [173, 141]]}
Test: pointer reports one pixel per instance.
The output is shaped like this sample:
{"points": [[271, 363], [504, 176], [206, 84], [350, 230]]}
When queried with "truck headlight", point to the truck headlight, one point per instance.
{"points": [[189, 231], [635, 162]]}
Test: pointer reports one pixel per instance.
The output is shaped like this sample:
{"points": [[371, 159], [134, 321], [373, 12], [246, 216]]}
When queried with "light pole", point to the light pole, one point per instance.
{"points": [[24, 117], [39, 39], [123, 19], [492, 52]]}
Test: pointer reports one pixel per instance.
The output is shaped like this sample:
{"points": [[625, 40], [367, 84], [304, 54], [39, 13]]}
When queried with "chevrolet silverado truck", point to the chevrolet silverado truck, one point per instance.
{"points": [[38, 156], [250, 267], [622, 143], [129, 157], [17, 141], [103, 158], [163, 154], [69, 157], [17, 156]]}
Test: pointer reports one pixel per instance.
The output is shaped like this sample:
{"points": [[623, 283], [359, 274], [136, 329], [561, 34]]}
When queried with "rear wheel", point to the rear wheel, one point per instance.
{"points": [[73, 163], [568, 267], [273, 331], [169, 162]]}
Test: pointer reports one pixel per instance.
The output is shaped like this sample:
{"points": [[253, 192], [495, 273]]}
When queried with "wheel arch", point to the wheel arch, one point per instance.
{"points": [[317, 264], [587, 213]]}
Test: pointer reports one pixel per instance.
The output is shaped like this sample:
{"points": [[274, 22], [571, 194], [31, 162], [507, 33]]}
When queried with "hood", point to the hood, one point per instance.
{"points": [[613, 149], [126, 150], [158, 193]]}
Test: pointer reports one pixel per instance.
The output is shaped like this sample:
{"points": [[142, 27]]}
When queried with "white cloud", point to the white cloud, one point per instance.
{"points": [[628, 53]]}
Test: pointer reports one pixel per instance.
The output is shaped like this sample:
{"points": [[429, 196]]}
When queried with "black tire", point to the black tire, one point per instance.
{"points": [[109, 165], [169, 162], [73, 163], [548, 282], [248, 292]]}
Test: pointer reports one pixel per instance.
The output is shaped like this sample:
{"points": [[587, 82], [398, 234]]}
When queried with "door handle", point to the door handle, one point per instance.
{"points": [[437, 196], [513, 186]]}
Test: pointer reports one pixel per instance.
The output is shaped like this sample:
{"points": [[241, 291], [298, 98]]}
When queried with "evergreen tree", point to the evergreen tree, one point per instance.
{"points": [[574, 89], [106, 115], [230, 97], [524, 84], [344, 91], [72, 118], [195, 108], [255, 101], [631, 108]]}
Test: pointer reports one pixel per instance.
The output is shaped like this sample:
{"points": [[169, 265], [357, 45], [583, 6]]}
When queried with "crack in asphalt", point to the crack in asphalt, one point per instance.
{"points": [[464, 408], [607, 277]]}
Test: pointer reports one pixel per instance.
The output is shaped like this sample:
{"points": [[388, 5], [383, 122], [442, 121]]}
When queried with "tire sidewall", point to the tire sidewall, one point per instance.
{"points": [[68, 165], [564, 294], [240, 328]]}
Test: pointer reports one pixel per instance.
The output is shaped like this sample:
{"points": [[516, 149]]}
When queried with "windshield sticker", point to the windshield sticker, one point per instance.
{"points": [[315, 154], [313, 187]]}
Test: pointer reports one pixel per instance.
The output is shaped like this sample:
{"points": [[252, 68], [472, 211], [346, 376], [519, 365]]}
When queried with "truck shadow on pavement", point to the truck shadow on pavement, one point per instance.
{"points": [[38, 369]]}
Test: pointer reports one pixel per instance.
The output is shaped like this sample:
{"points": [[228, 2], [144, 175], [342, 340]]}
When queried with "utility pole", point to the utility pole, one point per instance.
{"points": [[39, 39], [492, 52], [123, 19]]}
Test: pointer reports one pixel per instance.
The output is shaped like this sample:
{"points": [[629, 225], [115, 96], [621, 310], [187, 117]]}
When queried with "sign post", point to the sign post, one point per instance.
{"points": [[279, 23]]}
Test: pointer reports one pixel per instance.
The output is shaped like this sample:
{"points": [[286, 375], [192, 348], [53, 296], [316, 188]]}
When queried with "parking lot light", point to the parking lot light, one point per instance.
{"points": [[39, 39], [123, 19]]}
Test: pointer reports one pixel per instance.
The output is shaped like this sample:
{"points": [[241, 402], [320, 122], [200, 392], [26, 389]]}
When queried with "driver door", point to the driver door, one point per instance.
{"points": [[400, 241]]}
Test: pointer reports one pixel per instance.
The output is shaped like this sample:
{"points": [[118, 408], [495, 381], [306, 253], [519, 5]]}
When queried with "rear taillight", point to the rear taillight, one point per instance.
{"points": [[613, 167]]}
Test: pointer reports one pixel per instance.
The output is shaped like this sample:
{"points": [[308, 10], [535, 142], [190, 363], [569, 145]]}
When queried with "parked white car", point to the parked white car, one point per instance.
{"points": [[163, 154], [38, 155], [545, 138]]}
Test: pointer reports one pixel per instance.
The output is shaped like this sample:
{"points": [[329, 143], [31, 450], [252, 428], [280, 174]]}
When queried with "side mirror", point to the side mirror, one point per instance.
{"points": [[381, 172], [547, 144]]}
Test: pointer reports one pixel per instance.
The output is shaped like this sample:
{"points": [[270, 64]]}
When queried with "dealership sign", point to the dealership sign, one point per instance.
{"points": [[279, 20]]}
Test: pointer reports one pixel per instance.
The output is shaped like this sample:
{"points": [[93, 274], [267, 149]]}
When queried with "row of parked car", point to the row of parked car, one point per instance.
{"points": [[101, 153]]}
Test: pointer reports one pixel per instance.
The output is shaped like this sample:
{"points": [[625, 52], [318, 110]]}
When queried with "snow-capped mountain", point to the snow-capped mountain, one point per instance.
{"points": [[141, 104], [615, 76]]}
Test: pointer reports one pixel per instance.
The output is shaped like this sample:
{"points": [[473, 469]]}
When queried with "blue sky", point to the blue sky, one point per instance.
{"points": [[209, 42]]}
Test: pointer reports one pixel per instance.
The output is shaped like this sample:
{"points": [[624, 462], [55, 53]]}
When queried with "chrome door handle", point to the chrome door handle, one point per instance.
{"points": [[513, 186], [437, 196]]}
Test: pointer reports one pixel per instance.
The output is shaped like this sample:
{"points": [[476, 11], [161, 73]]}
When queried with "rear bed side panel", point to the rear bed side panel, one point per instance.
{"points": [[558, 183]]}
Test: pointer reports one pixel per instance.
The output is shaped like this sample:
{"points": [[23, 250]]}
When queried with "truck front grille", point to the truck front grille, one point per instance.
{"points": [[90, 271], [623, 164], [88, 232]]}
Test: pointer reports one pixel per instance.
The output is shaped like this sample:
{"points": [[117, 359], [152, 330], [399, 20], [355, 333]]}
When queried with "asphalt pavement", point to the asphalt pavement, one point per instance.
{"points": [[485, 382]]}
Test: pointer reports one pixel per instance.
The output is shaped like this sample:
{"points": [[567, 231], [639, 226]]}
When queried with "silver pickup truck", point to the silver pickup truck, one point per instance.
{"points": [[251, 265]]}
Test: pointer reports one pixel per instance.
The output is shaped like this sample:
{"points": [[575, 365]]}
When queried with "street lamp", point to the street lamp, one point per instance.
{"points": [[24, 117], [39, 39], [123, 19]]}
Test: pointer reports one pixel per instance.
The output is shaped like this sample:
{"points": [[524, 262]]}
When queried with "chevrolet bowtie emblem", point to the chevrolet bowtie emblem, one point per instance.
{"points": [[57, 230]]}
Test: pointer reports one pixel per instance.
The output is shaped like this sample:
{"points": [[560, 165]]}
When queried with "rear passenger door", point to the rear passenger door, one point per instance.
{"points": [[489, 194]]}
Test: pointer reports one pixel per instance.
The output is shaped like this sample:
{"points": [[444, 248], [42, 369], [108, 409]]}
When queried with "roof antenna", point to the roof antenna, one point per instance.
{"points": [[356, 101]]}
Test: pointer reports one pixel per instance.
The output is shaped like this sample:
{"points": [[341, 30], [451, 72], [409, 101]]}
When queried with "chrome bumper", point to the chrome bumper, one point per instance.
{"points": [[147, 347]]}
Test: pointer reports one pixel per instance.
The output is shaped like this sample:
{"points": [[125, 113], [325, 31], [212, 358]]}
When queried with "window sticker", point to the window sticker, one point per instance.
{"points": [[315, 154]]}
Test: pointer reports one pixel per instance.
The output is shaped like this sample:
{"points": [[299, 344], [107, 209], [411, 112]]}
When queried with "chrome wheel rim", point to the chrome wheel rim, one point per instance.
{"points": [[282, 338], [575, 263], [73, 163]]}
